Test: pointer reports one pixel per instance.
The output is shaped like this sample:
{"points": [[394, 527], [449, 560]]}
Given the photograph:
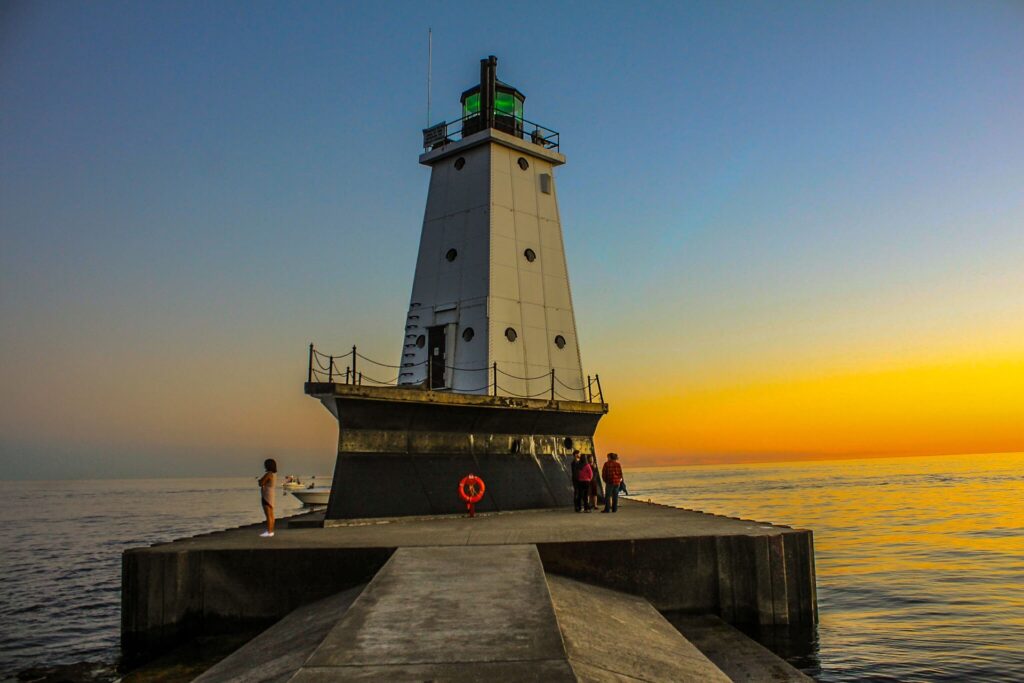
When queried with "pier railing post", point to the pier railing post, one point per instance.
{"points": [[330, 370], [347, 370], [600, 394], [552, 384], [495, 378], [354, 354], [309, 373], [590, 393]]}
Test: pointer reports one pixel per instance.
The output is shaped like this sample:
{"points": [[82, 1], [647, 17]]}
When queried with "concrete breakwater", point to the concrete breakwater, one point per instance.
{"points": [[497, 616], [674, 560]]}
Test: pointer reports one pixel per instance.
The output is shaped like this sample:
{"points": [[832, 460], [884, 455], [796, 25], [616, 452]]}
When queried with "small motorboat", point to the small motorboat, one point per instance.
{"points": [[314, 495], [292, 483]]}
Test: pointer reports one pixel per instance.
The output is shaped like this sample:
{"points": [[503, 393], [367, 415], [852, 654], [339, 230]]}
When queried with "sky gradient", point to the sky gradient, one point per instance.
{"points": [[793, 230]]}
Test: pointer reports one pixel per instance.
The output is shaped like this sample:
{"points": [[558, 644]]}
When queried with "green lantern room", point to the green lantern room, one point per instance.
{"points": [[507, 106]]}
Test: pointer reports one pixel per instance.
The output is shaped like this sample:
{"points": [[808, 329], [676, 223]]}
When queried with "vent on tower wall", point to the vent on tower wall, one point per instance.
{"points": [[545, 183]]}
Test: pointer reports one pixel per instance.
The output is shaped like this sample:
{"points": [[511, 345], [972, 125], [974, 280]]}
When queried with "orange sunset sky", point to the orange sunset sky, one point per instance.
{"points": [[792, 232]]}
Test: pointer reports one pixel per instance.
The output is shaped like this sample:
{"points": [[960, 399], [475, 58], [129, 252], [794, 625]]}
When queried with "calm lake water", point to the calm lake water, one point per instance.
{"points": [[920, 561]]}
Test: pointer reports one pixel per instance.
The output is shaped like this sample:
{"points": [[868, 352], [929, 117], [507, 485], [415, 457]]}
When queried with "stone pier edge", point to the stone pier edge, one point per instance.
{"points": [[170, 595]]}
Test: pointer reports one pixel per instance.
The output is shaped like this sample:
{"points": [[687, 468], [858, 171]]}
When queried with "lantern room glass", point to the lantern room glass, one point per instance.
{"points": [[506, 104], [471, 105]]}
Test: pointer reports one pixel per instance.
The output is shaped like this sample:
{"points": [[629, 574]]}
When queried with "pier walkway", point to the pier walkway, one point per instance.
{"points": [[635, 520], [668, 559], [446, 614]]}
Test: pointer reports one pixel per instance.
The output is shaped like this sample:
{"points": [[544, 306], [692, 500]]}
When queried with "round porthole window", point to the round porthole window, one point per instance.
{"points": [[510, 334], [560, 341], [421, 341], [530, 255], [459, 163], [468, 333], [451, 254], [523, 163], [567, 443]]}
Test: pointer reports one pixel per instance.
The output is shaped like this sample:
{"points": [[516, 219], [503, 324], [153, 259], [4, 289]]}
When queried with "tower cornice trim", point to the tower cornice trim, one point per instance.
{"points": [[491, 135]]}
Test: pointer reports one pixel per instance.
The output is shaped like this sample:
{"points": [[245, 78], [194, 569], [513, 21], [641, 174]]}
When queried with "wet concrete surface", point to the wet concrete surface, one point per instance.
{"points": [[635, 520]]}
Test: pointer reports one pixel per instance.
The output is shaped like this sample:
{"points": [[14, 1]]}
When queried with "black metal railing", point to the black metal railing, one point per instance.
{"points": [[447, 132], [347, 369]]}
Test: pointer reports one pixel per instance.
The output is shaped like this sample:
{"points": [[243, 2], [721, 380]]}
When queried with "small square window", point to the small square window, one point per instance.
{"points": [[545, 183]]}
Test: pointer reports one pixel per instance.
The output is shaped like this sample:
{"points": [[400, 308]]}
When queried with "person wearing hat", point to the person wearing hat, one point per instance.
{"points": [[611, 473]]}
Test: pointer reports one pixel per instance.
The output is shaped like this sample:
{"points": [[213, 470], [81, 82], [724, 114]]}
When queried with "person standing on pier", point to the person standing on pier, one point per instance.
{"points": [[594, 492], [587, 476], [267, 483], [612, 475], [580, 484]]}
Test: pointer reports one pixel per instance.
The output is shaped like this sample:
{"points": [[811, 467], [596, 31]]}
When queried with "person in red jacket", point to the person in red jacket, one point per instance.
{"points": [[612, 475], [579, 484], [587, 474]]}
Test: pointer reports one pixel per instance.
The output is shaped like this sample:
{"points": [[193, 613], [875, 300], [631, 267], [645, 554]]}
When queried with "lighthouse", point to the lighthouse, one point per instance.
{"points": [[491, 307], [490, 381]]}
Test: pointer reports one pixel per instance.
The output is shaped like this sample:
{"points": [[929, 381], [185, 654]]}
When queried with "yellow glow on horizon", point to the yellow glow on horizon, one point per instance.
{"points": [[962, 406]]}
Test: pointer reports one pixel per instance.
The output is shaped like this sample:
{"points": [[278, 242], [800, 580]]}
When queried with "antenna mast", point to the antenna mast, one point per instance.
{"points": [[430, 56]]}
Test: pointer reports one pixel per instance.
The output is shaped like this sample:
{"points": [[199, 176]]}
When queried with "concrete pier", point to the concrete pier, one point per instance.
{"points": [[677, 560], [446, 613]]}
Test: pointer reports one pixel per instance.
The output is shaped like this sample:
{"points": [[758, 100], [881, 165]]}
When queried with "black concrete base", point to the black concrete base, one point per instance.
{"points": [[403, 451], [399, 484], [169, 597]]}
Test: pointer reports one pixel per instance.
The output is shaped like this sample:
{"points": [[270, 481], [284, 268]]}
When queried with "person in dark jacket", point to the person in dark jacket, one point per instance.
{"points": [[595, 491], [612, 475], [580, 485]]}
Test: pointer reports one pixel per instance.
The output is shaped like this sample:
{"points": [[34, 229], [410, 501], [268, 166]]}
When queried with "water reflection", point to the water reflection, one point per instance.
{"points": [[920, 561], [60, 598]]}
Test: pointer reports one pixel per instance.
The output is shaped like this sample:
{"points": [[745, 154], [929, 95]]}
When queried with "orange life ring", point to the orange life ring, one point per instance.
{"points": [[476, 488]]}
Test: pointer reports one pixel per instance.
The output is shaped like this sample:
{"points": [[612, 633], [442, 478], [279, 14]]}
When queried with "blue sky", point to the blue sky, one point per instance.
{"points": [[191, 192]]}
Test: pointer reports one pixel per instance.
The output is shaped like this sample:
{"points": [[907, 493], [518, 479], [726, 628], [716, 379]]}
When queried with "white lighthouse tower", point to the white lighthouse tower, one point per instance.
{"points": [[491, 382], [491, 308]]}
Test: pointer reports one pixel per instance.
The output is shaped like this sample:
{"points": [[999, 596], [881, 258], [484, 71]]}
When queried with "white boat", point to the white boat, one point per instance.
{"points": [[313, 496], [292, 483]]}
